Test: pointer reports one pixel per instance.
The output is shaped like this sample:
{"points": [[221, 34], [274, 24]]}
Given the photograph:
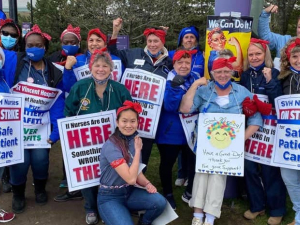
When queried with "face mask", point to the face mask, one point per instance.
{"points": [[101, 82], [153, 56], [223, 87], [35, 54], [70, 49], [8, 42]]}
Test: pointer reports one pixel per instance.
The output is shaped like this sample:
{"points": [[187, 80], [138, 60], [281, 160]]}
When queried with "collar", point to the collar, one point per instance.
{"points": [[211, 86], [164, 52], [130, 137]]}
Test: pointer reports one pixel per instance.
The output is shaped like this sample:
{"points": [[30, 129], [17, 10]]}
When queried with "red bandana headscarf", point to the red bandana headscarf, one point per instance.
{"points": [[9, 21], [159, 33], [222, 62], [130, 105], [98, 32], [180, 53], [71, 30], [263, 43], [291, 46], [36, 30]]}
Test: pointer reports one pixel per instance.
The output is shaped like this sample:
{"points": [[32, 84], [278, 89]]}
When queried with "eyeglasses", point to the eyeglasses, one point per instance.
{"points": [[5, 33]]}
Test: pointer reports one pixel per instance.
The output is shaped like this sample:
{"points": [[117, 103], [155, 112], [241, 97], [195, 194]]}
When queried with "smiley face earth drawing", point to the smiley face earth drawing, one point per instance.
{"points": [[220, 134]]}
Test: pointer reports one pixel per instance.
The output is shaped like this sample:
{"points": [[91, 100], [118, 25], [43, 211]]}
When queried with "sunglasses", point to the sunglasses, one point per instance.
{"points": [[5, 33]]}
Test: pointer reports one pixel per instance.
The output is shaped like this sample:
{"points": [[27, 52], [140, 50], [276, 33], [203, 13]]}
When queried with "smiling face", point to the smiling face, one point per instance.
{"points": [[95, 42], [183, 66], [154, 44], [127, 122], [189, 41], [100, 69], [295, 60], [256, 56], [220, 138], [218, 41], [222, 75]]}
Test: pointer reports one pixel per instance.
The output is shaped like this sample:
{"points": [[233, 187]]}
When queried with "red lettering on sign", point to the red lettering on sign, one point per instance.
{"points": [[143, 90], [259, 148], [89, 172], [144, 123]]}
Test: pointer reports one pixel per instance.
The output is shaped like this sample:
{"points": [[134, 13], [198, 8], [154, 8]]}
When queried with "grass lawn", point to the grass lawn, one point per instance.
{"points": [[232, 209]]}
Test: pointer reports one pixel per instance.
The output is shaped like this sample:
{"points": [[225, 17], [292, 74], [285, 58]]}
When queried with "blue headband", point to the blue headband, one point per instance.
{"points": [[187, 30]]}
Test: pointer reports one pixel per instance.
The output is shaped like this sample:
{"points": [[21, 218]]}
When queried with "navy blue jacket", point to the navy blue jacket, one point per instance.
{"points": [[128, 56], [272, 89]]}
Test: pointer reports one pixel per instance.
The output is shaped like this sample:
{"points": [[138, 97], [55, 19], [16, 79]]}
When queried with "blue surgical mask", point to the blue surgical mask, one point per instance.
{"points": [[223, 87], [101, 82], [8, 42], [70, 49], [35, 54], [153, 56]]}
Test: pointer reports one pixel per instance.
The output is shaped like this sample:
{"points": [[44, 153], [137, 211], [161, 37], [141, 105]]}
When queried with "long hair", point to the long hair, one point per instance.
{"points": [[284, 61], [268, 57]]}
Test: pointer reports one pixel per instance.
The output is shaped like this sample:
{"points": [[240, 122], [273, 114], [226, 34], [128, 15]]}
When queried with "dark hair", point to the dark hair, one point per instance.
{"points": [[120, 142]]}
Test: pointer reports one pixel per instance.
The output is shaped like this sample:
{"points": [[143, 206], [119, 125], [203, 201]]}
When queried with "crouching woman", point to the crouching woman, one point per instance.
{"points": [[119, 165]]}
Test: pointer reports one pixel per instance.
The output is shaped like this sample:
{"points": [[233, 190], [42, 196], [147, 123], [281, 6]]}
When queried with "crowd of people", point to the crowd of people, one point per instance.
{"points": [[186, 91]]}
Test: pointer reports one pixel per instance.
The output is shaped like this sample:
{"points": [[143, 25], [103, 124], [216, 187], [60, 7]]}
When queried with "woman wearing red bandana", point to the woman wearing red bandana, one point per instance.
{"points": [[290, 76], [120, 159], [170, 136], [33, 67], [90, 95], [218, 96], [265, 187], [76, 67], [153, 58]]}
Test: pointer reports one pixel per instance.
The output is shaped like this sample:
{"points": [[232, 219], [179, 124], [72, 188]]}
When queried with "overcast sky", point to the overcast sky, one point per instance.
{"points": [[20, 3]]}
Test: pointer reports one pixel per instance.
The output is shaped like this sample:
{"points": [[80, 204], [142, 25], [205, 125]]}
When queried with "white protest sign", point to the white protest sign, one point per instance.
{"points": [[82, 138], [11, 129], [220, 148], [38, 101], [188, 122], [259, 147], [147, 89], [287, 140], [117, 72], [82, 72]]}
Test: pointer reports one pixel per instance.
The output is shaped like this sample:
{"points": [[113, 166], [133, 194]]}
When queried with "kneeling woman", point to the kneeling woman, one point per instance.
{"points": [[119, 165]]}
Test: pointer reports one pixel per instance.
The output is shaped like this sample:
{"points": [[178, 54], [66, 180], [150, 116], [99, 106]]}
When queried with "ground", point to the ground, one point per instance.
{"points": [[72, 212]]}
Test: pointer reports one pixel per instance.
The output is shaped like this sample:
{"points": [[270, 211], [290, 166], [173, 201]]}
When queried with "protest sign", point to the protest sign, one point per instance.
{"points": [[11, 129], [147, 89], [259, 147], [227, 33], [38, 101], [220, 144], [82, 138], [188, 122], [287, 140]]}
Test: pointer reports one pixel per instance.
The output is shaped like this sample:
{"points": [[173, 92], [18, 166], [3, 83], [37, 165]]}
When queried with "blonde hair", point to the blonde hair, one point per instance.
{"points": [[284, 61], [268, 57]]}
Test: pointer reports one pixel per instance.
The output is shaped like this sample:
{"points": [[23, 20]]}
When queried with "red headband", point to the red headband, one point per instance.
{"points": [[159, 33], [98, 32], [71, 30], [9, 21], [178, 54], [222, 62], [102, 51], [130, 105], [36, 30], [263, 43], [291, 46]]}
